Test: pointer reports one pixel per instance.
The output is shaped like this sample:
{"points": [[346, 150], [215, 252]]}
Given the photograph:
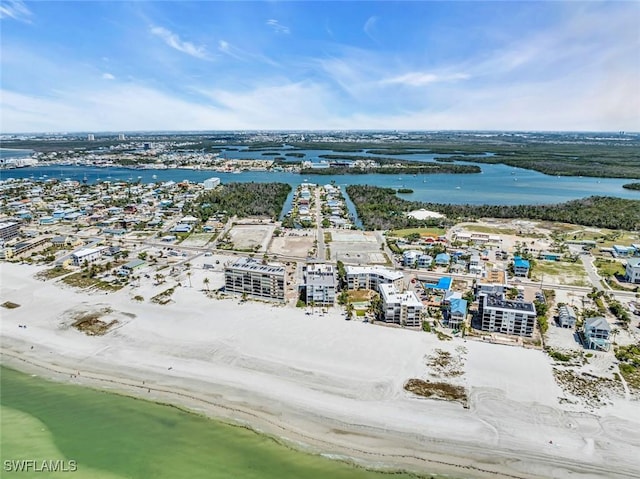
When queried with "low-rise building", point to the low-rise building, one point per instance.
{"points": [[596, 333], [400, 308], [416, 259], [443, 259], [566, 316], [133, 265], [253, 278], [88, 255], [632, 270], [507, 317], [493, 282], [520, 267], [320, 284], [457, 312], [621, 251], [371, 277], [475, 265]]}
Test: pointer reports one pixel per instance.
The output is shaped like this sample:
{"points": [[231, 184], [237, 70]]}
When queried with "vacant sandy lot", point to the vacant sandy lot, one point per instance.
{"points": [[356, 247], [293, 244], [198, 239], [245, 237]]}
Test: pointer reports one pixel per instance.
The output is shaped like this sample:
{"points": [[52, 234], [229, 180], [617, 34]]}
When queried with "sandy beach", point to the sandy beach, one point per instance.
{"points": [[321, 383]]}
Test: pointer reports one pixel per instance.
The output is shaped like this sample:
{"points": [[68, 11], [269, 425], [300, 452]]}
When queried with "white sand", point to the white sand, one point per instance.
{"points": [[423, 214], [322, 383]]}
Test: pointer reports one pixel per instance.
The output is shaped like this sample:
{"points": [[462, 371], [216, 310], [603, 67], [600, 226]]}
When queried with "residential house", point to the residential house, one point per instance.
{"points": [[475, 265], [596, 333], [520, 267], [443, 259], [457, 312], [566, 316], [90, 255], [632, 270]]}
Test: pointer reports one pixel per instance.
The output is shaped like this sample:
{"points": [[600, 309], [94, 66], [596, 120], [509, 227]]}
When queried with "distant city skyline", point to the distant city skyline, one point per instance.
{"points": [[204, 66]]}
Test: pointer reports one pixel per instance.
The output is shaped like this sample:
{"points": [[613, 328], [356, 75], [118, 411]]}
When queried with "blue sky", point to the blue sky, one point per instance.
{"points": [[121, 66]]}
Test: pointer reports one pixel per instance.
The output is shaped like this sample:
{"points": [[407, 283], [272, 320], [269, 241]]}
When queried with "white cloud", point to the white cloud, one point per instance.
{"points": [[108, 76], [228, 49], [422, 79], [278, 27], [15, 9], [174, 41], [369, 26]]}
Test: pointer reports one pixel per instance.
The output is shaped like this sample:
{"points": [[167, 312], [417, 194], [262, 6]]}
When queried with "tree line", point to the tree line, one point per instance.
{"points": [[240, 199], [380, 208]]}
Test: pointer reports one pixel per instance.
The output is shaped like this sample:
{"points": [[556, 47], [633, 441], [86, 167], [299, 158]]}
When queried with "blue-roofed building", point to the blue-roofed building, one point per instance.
{"points": [[520, 266], [443, 284], [443, 259], [623, 251], [457, 312]]}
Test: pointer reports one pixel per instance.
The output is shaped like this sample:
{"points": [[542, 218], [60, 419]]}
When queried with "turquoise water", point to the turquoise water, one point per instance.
{"points": [[114, 436]]}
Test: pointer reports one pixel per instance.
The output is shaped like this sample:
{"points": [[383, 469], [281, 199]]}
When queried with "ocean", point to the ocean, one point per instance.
{"points": [[109, 436]]}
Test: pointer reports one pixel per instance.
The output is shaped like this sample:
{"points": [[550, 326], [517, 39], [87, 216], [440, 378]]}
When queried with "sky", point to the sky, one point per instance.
{"points": [[331, 65]]}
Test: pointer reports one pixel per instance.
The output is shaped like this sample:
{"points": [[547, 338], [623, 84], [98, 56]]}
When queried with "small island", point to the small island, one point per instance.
{"points": [[632, 186]]}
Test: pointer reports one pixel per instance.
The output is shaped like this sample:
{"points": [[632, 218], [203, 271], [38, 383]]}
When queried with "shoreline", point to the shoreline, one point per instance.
{"points": [[338, 395], [194, 403]]}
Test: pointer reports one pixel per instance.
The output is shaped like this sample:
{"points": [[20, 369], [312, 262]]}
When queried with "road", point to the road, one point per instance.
{"points": [[320, 253], [595, 279]]}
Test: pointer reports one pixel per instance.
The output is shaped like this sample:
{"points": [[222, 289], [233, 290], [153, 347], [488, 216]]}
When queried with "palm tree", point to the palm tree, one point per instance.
{"points": [[206, 283], [614, 333], [350, 309], [189, 277]]}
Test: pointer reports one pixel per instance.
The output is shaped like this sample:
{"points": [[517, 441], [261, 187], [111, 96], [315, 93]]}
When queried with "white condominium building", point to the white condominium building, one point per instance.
{"points": [[400, 308], [507, 317], [320, 284], [371, 277], [251, 277]]}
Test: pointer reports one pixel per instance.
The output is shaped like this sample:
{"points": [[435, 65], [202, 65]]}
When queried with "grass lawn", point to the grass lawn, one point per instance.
{"points": [[489, 229], [431, 231], [360, 295], [608, 267]]}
